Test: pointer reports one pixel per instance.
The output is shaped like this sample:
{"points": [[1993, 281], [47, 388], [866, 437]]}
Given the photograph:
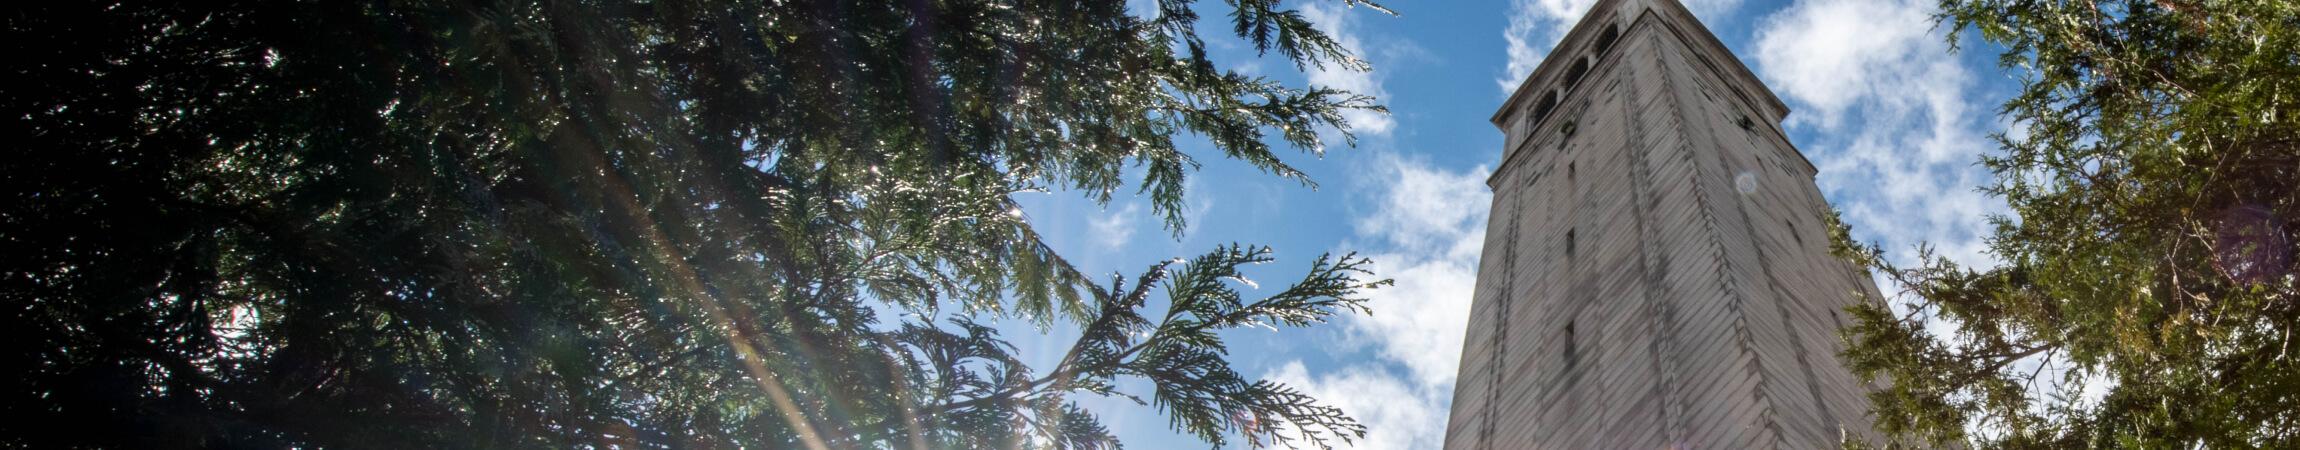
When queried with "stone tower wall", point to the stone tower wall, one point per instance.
{"points": [[1656, 268]]}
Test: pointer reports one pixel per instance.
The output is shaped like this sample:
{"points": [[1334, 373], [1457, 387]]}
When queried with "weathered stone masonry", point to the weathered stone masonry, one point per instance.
{"points": [[1656, 270]]}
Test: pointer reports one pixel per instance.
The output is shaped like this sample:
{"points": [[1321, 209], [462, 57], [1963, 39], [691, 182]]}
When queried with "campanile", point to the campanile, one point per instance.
{"points": [[1656, 271]]}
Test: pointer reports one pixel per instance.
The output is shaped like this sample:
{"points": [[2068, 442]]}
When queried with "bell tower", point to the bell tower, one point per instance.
{"points": [[1656, 271]]}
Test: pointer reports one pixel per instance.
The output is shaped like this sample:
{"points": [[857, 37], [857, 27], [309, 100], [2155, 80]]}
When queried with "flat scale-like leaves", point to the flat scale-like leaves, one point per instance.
{"points": [[1179, 354]]}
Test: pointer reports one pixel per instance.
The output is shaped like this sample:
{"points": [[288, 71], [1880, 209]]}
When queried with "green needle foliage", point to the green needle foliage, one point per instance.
{"points": [[983, 387], [2149, 257], [614, 223]]}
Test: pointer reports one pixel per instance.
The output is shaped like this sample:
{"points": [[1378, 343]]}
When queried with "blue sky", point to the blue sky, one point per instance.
{"points": [[1893, 121]]}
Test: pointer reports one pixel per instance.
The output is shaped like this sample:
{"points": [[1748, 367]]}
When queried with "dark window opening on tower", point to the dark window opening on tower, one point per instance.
{"points": [[1605, 41], [1541, 110], [1569, 243], [1581, 67], [1571, 355]]}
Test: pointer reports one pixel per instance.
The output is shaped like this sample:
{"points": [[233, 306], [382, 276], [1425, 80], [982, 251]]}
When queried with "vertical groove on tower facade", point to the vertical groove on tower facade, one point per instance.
{"points": [[1500, 339], [1658, 312], [1728, 280]]}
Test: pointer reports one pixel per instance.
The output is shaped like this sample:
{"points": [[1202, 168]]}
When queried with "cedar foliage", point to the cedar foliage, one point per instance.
{"points": [[612, 223], [2149, 255]]}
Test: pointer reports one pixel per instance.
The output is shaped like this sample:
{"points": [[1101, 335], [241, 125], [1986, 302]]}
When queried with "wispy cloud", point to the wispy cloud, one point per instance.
{"points": [[1337, 22], [1897, 140], [1535, 27], [1115, 228], [1825, 55], [1424, 228], [1896, 137], [1397, 414], [1425, 231], [1198, 208]]}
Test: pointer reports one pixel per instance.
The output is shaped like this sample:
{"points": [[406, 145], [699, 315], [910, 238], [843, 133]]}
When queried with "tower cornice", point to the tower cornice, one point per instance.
{"points": [[1673, 15], [1630, 15]]}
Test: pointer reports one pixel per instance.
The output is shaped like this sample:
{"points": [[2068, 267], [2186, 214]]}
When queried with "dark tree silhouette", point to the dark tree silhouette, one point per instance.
{"points": [[451, 224]]}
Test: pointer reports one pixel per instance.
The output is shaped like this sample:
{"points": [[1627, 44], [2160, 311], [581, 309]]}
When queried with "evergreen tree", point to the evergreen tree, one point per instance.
{"points": [[614, 223], [2150, 251]]}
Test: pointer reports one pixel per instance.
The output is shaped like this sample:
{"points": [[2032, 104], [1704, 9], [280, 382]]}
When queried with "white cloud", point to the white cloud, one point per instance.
{"points": [[1397, 415], [1424, 230], [1197, 208], [1827, 54], [1535, 27], [1427, 230], [1896, 136], [1116, 228], [1336, 22]]}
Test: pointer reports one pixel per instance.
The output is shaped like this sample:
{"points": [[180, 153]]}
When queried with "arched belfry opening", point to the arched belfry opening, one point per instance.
{"points": [[1605, 41], [1541, 110], [1580, 67]]}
